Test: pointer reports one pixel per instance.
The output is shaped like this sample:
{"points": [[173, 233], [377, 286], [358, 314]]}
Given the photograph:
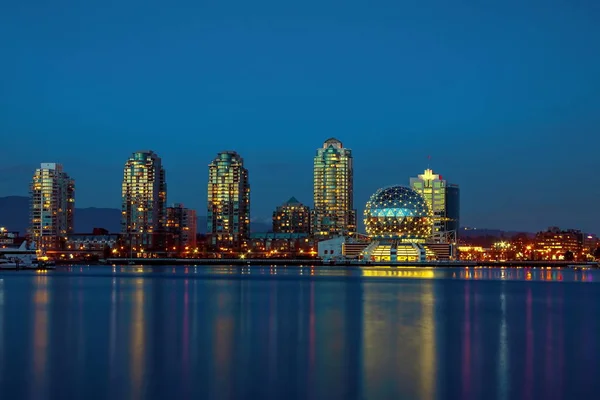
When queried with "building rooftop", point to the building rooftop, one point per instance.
{"points": [[292, 201], [332, 142]]}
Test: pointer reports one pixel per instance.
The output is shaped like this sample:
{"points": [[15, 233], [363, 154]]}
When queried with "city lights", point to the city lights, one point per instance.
{"points": [[413, 223]]}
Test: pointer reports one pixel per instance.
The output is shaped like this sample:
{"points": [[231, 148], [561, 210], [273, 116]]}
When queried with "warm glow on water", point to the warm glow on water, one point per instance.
{"points": [[278, 332]]}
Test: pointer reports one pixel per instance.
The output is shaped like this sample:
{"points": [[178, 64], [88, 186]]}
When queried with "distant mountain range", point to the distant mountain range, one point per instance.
{"points": [[474, 232], [14, 215]]}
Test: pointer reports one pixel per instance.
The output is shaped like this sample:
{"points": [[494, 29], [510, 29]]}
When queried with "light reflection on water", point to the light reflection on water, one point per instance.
{"points": [[470, 273], [289, 332]]}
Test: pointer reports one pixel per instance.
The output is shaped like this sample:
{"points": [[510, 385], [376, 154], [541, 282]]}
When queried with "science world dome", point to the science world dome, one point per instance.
{"points": [[398, 212]]}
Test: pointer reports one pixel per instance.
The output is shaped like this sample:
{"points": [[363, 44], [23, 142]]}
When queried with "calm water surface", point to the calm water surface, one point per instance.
{"points": [[299, 333]]}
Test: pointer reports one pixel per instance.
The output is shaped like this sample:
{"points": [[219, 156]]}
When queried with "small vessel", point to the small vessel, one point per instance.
{"points": [[24, 257], [17, 258], [8, 264]]}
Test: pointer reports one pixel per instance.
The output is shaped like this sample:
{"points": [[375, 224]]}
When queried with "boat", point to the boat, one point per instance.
{"points": [[7, 264], [23, 257]]}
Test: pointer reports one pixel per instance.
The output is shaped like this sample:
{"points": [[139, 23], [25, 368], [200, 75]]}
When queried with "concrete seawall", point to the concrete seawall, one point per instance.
{"points": [[309, 262]]}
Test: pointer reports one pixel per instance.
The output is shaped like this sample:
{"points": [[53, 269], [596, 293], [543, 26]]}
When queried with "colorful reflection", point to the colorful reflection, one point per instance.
{"points": [[40, 332], [138, 338], [399, 273]]}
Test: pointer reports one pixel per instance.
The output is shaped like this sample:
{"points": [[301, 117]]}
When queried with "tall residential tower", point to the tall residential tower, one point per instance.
{"points": [[52, 207], [144, 200], [444, 200], [228, 201], [334, 212]]}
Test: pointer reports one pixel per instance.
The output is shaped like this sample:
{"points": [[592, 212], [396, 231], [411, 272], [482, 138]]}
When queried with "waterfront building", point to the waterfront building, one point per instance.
{"points": [[280, 245], [557, 244], [181, 228], [228, 202], [52, 207], [590, 245], [8, 238], [444, 201], [291, 217], [99, 244], [399, 221], [144, 199], [333, 212]]}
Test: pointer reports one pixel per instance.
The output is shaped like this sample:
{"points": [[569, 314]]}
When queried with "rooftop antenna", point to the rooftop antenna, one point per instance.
{"points": [[428, 161]]}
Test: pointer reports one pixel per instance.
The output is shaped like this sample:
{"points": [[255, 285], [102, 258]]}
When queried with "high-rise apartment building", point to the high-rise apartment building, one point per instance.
{"points": [[333, 212], [181, 228], [52, 207], [291, 217], [228, 201], [144, 200], [444, 200]]}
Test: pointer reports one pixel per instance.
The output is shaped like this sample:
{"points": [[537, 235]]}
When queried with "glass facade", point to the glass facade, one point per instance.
{"points": [[333, 212], [144, 201], [444, 201], [228, 201], [291, 217], [52, 207]]}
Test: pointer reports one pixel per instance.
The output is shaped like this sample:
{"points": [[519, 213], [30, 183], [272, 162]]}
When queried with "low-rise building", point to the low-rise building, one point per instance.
{"points": [[557, 244], [78, 246], [285, 245]]}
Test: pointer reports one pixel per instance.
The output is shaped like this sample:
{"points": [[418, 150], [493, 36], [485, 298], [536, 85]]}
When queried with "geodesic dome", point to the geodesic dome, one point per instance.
{"points": [[397, 212]]}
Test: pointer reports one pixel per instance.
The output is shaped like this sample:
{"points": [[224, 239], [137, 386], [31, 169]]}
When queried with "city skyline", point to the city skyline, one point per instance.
{"points": [[266, 219], [314, 199], [513, 106]]}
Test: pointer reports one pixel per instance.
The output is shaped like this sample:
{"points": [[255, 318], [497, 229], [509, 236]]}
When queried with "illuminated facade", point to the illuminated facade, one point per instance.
{"points": [[554, 244], [398, 212], [398, 220], [279, 245], [89, 246], [334, 212], [291, 217], [181, 228], [444, 201], [228, 201], [52, 207], [144, 200]]}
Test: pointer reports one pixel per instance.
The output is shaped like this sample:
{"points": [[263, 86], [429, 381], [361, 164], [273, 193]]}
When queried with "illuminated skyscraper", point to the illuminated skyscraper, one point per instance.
{"points": [[228, 201], [52, 207], [291, 217], [144, 200], [334, 212], [444, 201]]}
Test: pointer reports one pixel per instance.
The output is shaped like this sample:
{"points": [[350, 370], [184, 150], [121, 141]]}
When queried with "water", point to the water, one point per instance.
{"points": [[299, 333]]}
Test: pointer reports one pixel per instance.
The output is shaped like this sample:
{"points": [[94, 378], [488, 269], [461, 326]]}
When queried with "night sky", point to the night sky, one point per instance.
{"points": [[504, 97]]}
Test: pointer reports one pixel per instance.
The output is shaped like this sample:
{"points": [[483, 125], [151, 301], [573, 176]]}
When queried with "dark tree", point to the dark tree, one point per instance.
{"points": [[106, 252], [569, 256], [597, 253]]}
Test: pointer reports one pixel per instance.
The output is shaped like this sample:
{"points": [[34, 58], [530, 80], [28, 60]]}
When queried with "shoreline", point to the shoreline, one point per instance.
{"points": [[320, 263]]}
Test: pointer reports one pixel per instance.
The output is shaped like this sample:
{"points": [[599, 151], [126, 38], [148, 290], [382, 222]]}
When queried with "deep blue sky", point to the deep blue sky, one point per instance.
{"points": [[505, 97]]}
